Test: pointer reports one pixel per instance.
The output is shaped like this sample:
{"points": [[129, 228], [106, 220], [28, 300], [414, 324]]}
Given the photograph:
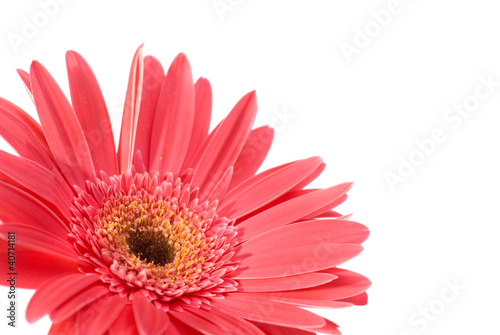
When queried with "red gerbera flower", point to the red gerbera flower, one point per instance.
{"points": [[175, 233]]}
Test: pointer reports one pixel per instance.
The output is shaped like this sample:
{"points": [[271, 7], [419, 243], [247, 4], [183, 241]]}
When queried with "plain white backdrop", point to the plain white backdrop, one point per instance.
{"points": [[401, 97]]}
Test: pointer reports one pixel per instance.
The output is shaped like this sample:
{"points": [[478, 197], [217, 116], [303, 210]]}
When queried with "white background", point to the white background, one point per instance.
{"points": [[439, 225]]}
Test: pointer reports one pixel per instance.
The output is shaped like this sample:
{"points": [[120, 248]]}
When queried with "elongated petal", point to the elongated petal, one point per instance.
{"points": [[37, 179], [265, 187], [97, 317], [25, 77], [174, 118], [291, 210], [64, 327], [230, 323], [265, 311], [252, 154], [131, 112], [91, 111], [285, 283], [125, 324], [226, 143], [217, 191], [24, 134], [33, 265], [55, 292], [61, 127], [150, 320], [299, 248], [77, 302], [203, 325], [278, 330], [151, 88], [39, 240], [202, 114], [18, 206]]}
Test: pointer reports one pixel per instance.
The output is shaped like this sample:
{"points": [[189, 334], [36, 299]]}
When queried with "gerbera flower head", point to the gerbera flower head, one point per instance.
{"points": [[175, 232]]}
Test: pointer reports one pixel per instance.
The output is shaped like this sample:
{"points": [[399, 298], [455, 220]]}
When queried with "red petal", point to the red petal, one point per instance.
{"points": [[25, 77], [39, 240], [65, 327], [203, 325], [18, 206], [292, 210], [230, 323], [265, 187], [38, 180], [174, 118], [91, 111], [96, 318], [285, 283], [277, 330], [202, 114], [24, 134], [131, 112], [125, 324], [217, 191], [55, 292], [77, 302], [299, 248], [36, 267], [226, 143], [151, 88], [61, 127], [265, 311], [252, 154], [150, 320]]}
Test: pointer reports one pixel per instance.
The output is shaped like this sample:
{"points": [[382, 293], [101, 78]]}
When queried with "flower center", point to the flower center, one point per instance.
{"points": [[153, 235], [151, 247]]}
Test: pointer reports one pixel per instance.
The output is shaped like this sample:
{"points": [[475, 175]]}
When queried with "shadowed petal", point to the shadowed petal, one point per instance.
{"points": [[97, 317], [284, 283], [125, 324], [77, 302]]}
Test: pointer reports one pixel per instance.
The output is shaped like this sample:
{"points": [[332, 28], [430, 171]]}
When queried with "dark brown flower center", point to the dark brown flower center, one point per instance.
{"points": [[151, 246]]}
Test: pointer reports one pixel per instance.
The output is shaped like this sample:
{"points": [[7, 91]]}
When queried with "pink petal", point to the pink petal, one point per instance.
{"points": [[292, 210], [284, 283], [278, 330], [150, 320], [202, 114], [299, 248], [55, 292], [18, 206], [265, 187], [25, 77], [347, 284], [96, 318], [358, 300], [38, 180], [125, 324], [252, 154], [91, 111], [65, 327], [177, 327], [39, 240], [78, 301], [174, 118], [227, 321], [24, 134], [131, 112], [265, 311], [61, 127], [226, 143], [33, 265], [217, 191], [151, 88], [203, 325]]}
